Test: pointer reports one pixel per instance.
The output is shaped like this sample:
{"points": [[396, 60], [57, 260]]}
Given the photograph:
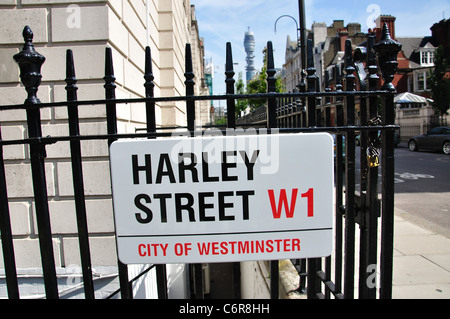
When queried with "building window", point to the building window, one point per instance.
{"points": [[431, 57], [423, 80], [426, 58], [420, 82], [410, 83]]}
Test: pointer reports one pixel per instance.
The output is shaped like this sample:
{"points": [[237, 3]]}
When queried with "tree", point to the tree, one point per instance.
{"points": [[241, 105], [259, 84], [440, 84]]}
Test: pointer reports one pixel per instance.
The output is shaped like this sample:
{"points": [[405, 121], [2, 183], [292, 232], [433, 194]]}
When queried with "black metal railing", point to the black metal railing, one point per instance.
{"points": [[334, 111], [301, 113]]}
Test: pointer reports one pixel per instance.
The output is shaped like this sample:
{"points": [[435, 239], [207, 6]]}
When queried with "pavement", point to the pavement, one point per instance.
{"points": [[421, 259]]}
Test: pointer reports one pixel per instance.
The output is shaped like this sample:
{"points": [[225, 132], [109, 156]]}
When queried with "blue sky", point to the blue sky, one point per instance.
{"points": [[227, 21]]}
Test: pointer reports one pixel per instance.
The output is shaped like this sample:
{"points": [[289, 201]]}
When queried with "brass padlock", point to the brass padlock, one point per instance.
{"points": [[373, 157]]}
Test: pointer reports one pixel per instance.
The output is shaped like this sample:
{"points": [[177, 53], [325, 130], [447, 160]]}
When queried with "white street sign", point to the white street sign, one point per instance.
{"points": [[223, 199]]}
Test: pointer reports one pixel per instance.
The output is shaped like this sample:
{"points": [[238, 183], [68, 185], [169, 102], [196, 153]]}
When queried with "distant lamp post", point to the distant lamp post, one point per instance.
{"points": [[301, 37], [296, 23]]}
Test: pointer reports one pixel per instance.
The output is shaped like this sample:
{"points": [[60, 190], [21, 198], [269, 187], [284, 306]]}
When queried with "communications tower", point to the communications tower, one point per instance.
{"points": [[249, 44]]}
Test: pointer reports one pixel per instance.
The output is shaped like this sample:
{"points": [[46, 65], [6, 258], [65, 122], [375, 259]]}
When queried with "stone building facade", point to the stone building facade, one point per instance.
{"points": [[87, 27]]}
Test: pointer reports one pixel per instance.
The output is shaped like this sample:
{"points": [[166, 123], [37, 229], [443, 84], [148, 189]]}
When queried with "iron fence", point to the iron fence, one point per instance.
{"points": [[365, 205], [409, 131]]}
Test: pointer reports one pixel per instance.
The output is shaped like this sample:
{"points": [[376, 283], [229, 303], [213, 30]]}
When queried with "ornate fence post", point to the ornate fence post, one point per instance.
{"points": [[189, 75], [30, 63], [372, 172], [111, 124], [312, 84], [229, 73], [387, 50], [271, 88], [339, 166], [161, 272], [6, 232], [77, 173], [149, 92], [349, 252], [271, 124]]}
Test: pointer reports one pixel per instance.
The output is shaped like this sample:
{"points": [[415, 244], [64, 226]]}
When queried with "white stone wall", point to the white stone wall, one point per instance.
{"points": [[87, 27]]}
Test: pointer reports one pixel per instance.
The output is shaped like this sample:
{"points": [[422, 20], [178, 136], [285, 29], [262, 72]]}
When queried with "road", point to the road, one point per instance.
{"points": [[422, 188]]}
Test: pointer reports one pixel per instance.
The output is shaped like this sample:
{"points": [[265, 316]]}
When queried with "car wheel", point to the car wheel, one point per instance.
{"points": [[412, 145], [446, 148]]}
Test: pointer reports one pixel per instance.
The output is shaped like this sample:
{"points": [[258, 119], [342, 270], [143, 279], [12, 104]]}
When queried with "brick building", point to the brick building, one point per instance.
{"points": [[329, 47]]}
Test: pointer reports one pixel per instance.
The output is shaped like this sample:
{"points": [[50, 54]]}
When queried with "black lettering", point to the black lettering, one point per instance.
{"points": [[223, 205], [164, 160], [136, 169], [249, 163], [162, 204], [245, 204], [205, 169], [226, 166], [183, 167], [148, 213], [179, 207], [202, 206]]}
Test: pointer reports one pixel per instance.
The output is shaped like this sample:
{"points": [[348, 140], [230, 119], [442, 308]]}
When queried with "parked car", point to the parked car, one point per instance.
{"points": [[437, 139]]}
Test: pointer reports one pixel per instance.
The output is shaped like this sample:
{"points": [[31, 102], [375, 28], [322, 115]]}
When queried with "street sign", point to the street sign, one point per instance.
{"points": [[223, 199]]}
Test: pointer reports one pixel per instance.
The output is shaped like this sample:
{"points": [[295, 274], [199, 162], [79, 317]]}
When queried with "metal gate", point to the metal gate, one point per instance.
{"points": [[359, 197]]}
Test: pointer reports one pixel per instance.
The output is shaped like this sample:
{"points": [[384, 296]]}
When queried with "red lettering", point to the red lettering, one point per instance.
{"points": [[295, 244], [243, 247], [276, 211], [178, 249], [187, 247], [232, 243], [141, 247], [155, 251], [203, 248], [215, 248], [224, 247], [287, 244], [269, 244], [278, 241], [164, 248], [310, 196], [260, 246], [146, 249]]}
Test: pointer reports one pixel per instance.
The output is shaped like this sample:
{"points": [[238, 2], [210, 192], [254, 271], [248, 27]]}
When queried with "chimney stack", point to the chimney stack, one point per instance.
{"points": [[380, 21], [343, 36]]}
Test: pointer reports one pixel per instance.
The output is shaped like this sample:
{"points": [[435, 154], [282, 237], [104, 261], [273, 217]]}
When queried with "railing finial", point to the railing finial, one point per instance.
{"points": [[27, 35], [387, 50], [30, 63]]}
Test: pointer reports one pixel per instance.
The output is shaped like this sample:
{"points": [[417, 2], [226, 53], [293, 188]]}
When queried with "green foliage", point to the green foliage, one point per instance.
{"points": [[259, 85], [241, 105], [440, 85], [221, 121]]}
